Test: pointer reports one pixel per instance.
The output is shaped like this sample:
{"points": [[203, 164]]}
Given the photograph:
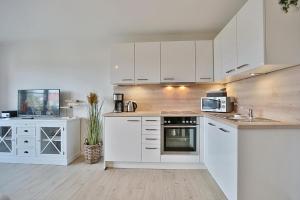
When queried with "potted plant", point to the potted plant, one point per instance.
{"points": [[93, 144], [287, 4]]}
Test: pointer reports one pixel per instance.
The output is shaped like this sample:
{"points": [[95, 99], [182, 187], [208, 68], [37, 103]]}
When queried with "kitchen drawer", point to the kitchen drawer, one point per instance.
{"points": [[25, 141], [28, 131], [26, 151], [150, 153], [151, 139], [151, 121], [151, 130]]}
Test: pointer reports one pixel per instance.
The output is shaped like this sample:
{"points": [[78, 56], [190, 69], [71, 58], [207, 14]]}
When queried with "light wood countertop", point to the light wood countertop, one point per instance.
{"points": [[232, 123]]}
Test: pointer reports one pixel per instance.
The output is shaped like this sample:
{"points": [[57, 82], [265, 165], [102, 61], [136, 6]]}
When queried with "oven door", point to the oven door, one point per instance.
{"points": [[180, 140], [210, 104]]}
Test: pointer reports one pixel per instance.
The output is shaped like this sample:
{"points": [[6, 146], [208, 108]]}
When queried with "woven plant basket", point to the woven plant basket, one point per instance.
{"points": [[92, 153]]}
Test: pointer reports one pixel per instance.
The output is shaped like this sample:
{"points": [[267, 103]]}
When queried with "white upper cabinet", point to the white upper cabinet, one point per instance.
{"points": [[218, 64], [229, 47], [122, 63], [178, 61], [204, 61], [147, 62], [250, 35], [260, 39]]}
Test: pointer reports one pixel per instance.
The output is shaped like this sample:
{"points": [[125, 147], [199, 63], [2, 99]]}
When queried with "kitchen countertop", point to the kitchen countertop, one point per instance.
{"points": [[234, 124]]}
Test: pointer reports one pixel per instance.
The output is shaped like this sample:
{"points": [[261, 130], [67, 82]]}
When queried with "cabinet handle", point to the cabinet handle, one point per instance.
{"points": [[205, 78], [127, 79], [229, 71], [211, 124], [26, 152], [242, 66], [151, 139], [26, 141], [133, 120], [151, 129], [168, 79], [151, 148], [224, 130], [26, 131], [151, 120], [142, 79]]}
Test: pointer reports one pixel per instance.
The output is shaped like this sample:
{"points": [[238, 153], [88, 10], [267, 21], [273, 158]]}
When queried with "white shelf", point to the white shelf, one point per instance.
{"points": [[7, 138], [56, 139]]}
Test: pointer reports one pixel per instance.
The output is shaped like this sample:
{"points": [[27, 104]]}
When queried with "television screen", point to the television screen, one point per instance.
{"points": [[39, 102]]}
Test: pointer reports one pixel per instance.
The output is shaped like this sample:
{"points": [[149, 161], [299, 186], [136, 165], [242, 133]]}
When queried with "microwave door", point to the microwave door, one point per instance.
{"points": [[211, 104]]}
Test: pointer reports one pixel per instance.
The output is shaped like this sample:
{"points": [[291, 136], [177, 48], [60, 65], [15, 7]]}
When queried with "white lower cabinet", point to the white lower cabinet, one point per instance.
{"points": [[40, 141], [132, 139], [123, 139], [151, 139], [150, 153], [221, 156]]}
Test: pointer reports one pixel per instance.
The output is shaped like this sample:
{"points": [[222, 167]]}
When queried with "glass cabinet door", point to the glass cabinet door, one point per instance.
{"points": [[6, 140], [50, 140]]}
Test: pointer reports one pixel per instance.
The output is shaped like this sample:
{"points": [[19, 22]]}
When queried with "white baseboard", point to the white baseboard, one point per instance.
{"points": [[155, 165]]}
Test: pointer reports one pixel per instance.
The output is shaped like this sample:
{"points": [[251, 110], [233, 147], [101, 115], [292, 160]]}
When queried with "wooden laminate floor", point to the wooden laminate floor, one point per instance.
{"points": [[81, 181]]}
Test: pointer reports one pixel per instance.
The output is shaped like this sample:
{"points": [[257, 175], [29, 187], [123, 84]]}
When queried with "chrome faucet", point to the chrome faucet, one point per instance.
{"points": [[250, 113]]}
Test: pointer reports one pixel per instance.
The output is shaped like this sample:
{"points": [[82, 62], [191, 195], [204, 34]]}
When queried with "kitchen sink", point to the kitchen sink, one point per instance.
{"points": [[241, 118], [257, 119]]}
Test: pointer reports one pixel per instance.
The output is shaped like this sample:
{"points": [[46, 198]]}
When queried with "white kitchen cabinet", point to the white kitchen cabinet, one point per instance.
{"points": [[229, 47], [122, 63], [252, 41], [147, 62], [151, 139], [123, 137], [151, 153], [218, 64], [250, 35], [221, 156], [204, 61], [178, 61]]}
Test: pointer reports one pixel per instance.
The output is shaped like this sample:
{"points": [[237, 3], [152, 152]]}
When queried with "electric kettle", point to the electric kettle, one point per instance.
{"points": [[131, 106]]}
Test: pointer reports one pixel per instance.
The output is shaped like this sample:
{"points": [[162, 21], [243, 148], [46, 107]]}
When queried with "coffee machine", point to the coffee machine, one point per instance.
{"points": [[119, 102]]}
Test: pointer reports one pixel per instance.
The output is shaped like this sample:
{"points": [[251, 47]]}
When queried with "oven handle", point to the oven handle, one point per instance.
{"points": [[172, 126]]}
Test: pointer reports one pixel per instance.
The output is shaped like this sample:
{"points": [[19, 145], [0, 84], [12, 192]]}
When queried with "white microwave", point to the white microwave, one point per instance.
{"points": [[217, 104]]}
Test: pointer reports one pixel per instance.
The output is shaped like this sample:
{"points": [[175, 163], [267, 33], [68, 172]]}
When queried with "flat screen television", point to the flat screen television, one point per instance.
{"points": [[38, 102]]}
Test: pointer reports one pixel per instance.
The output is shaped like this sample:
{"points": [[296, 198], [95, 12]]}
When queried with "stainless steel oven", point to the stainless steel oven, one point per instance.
{"points": [[180, 135]]}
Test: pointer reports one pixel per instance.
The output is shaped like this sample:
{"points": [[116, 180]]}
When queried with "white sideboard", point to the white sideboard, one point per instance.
{"points": [[39, 141]]}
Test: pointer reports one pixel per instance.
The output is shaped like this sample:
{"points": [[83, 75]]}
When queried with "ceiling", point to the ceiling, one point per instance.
{"points": [[36, 19]]}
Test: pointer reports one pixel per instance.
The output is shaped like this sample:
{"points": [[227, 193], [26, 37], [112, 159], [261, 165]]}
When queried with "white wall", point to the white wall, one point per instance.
{"points": [[74, 67]]}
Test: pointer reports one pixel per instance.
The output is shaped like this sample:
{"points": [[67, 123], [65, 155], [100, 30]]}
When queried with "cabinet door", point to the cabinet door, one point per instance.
{"points": [[229, 48], [204, 61], [218, 64], [210, 146], [221, 156], [178, 61], [250, 35], [50, 140], [123, 139], [7, 140], [147, 62], [122, 63]]}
